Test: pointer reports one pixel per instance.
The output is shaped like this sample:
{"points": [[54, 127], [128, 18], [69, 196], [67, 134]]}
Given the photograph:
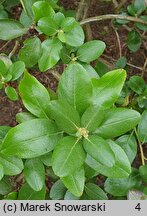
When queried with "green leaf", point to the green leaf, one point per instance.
{"points": [[129, 145], [10, 29], [68, 156], [24, 116], [42, 9], [134, 41], [5, 186], [141, 26], [30, 53], [66, 117], [57, 190], [95, 192], [46, 159], [92, 118], [11, 196], [25, 20], [90, 70], [12, 165], [34, 174], [75, 87], [140, 6], [121, 62], [120, 187], [3, 68], [11, 93], [27, 6], [118, 121], [142, 127], [3, 131], [90, 51], [75, 182], [27, 193], [89, 172], [107, 89], [16, 70], [48, 26], [31, 139], [7, 61], [35, 96], [99, 149], [137, 84], [101, 68], [70, 196], [121, 168], [75, 37], [68, 24], [1, 172], [143, 172], [50, 54]]}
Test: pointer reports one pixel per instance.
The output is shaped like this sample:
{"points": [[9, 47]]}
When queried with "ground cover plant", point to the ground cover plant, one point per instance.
{"points": [[80, 141]]}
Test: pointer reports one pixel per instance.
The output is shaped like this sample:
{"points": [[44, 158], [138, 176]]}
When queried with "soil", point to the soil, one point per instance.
{"points": [[102, 30]]}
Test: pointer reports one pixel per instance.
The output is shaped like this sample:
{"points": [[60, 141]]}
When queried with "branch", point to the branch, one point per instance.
{"points": [[113, 16]]}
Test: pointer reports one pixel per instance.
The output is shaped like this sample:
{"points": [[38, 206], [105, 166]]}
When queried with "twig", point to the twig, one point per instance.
{"points": [[144, 68], [115, 3], [6, 44], [118, 40], [140, 146], [129, 64], [120, 5], [113, 16], [14, 49], [55, 74], [80, 10]]}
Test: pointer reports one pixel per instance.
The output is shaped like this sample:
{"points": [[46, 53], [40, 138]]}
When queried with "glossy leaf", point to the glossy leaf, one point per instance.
{"points": [[142, 127], [11, 93], [92, 118], [121, 62], [1, 172], [24, 116], [101, 68], [68, 156], [48, 26], [25, 19], [3, 68], [143, 172], [121, 168], [75, 37], [16, 70], [50, 54], [75, 87], [70, 196], [90, 70], [34, 174], [27, 6], [75, 182], [107, 89], [129, 145], [35, 96], [120, 187], [46, 159], [140, 6], [134, 41], [137, 84], [66, 117], [5, 186], [90, 51], [27, 193], [12, 165], [142, 26], [10, 29], [57, 191], [42, 9], [30, 53], [95, 192], [31, 139], [117, 122], [3, 131], [99, 149]]}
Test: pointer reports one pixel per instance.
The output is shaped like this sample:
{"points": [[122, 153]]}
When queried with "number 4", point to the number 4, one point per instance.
{"points": [[138, 207]]}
